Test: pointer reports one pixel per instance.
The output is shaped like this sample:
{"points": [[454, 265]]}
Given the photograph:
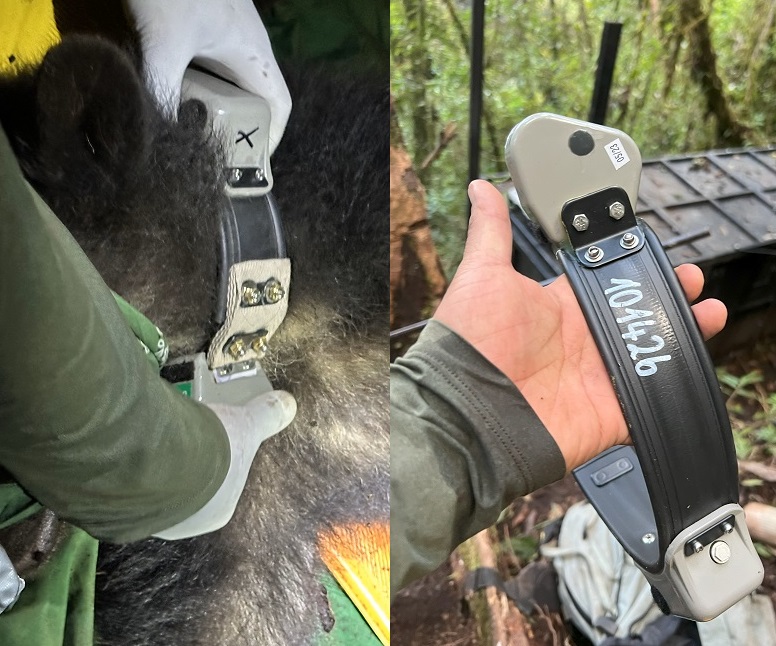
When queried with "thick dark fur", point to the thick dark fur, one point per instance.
{"points": [[141, 195]]}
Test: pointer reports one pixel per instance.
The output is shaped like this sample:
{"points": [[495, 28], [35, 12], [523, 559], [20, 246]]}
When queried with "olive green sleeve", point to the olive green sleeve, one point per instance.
{"points": [[86, 426], [464, 444]]}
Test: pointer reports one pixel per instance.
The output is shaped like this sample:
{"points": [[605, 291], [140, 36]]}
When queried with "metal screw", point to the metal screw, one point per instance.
{"points": [[648, 538], [251, 295], [629, 241], [720, 552], [594, 254], [236, 174], [273, 291], [580, 222], [259, 345], [727, 528], [259, 174], [697, 546], [616, 210], [237, 349], [245, 366]]}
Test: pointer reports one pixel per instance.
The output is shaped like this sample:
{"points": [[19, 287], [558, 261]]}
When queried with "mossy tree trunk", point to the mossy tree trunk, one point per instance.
{"points": [[417, 280]]}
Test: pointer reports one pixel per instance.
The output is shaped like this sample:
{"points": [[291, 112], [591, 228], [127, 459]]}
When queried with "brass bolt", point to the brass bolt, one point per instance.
{"points": [[259, 345], [273, 291], [250, 293], [237, 349]]}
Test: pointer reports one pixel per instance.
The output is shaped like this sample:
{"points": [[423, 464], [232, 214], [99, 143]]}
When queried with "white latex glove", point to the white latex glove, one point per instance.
{"points": [[247, 427], [226, 37]]}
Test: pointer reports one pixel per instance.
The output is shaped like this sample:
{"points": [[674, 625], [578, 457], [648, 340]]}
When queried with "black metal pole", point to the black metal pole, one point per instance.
{"points": [[607, 56], [475, 86]]}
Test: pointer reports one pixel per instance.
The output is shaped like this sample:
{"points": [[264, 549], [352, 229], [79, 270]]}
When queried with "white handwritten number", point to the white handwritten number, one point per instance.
{"points": [[647, 367], [635, 329], [620, 283], [635, 350], [623, 293]]}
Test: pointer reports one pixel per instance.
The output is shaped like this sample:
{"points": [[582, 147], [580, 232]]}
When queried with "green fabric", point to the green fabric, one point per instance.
{"points": [[464, 444], [15, 505], [88, 427], [148, 335], [350, 627], [56, 607]]}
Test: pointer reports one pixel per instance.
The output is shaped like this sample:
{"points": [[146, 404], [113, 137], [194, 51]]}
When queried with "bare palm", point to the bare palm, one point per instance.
{"points": [[538, 336]]}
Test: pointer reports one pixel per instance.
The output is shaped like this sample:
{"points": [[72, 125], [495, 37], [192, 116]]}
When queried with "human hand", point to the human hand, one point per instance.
{"points": [[538, 336], [246, 427], [225, 36]]}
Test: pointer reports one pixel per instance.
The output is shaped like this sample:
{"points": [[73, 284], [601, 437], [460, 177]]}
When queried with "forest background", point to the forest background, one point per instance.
{"points": [[690, 75]]}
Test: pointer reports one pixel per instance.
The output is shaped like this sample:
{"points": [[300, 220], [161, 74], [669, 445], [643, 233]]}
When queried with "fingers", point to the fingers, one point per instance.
{"points": [[711, 315], [489, 240], [691, 278], [167, 46], [227, 38]]}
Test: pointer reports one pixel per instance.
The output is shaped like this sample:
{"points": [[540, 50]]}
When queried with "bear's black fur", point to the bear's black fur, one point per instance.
{"points": [[141, 194]]}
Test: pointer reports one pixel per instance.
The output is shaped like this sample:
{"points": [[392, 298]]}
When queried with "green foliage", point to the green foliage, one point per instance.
{"points": [[764, 551], [351, 32], [541, 56], [525, 547], [752, 415]]}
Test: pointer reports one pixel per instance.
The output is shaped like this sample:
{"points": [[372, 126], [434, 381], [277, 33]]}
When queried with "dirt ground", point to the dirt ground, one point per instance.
{"points": [[433, 612]]}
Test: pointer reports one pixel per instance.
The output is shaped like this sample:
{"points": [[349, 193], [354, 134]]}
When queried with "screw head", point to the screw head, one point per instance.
{"points": [[616, 210], [235, 175], [628, 241], [594, 254], [580, 222], [648, 538], [251, 295], [259, 345], [273, 291], [697, 546], [720, 552], [259, 174], [727, 528], [237, 349]]}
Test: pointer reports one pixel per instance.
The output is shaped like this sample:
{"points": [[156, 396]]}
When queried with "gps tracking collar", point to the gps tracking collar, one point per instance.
{"points": [[254, 272], [671, 500]]}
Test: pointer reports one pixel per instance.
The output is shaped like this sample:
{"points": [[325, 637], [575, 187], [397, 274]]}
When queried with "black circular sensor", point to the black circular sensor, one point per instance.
{"points": [[581, 143]]}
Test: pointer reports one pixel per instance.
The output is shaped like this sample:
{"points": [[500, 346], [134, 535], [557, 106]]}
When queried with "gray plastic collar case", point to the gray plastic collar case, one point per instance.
{"points": [[242, 119], [552, 173], [700, 588]]}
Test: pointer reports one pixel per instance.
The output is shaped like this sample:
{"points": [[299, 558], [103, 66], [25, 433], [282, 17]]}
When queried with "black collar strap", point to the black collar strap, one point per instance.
{"points": [[672, 500], [250, 229], [254, 274]]}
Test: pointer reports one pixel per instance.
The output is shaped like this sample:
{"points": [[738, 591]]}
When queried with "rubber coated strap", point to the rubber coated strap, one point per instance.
{"points": [[663, 377]]}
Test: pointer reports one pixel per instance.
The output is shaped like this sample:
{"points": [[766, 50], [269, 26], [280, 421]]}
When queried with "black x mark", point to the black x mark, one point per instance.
{"points": [[246, 136]]}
